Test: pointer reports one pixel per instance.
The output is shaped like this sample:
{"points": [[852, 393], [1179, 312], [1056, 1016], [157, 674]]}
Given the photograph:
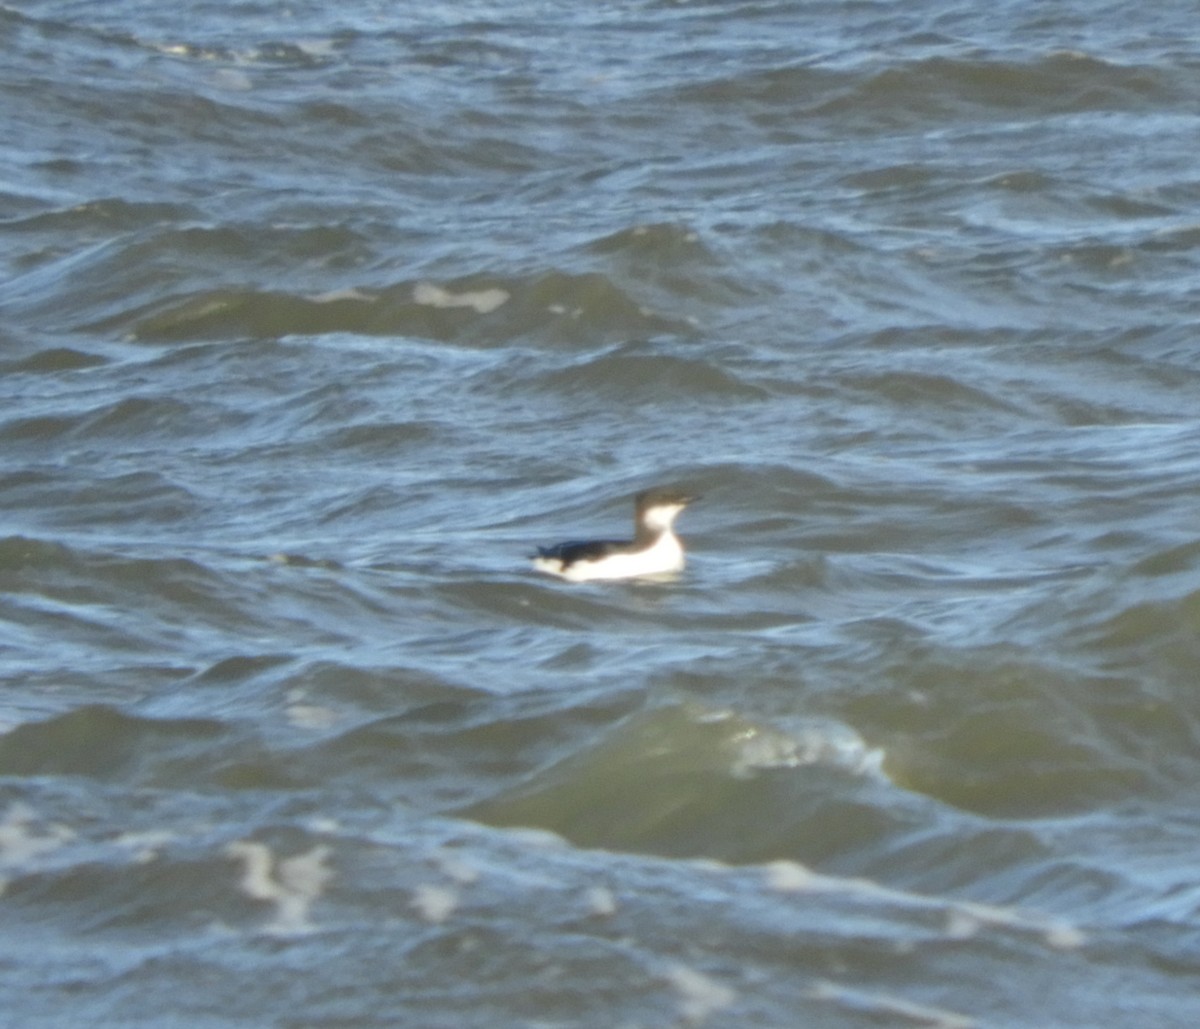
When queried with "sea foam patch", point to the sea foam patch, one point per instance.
{"points": [[962, 920], [23, 839], [482, 300], [700, 996], [291, 884]]}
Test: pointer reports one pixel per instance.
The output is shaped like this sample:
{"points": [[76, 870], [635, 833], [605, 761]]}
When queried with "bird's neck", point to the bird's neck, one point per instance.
{"points": [[647, 536]]}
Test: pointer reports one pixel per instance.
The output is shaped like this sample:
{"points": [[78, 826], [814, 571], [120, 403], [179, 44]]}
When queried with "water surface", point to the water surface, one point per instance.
{"points": [[316, 320]]}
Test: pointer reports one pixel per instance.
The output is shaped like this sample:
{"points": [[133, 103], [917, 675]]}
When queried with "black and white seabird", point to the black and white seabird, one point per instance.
{"points": [[654, 549]]}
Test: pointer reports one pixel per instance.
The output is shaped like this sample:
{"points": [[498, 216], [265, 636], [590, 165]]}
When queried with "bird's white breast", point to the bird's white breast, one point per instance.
{"points": [[666, 555]]}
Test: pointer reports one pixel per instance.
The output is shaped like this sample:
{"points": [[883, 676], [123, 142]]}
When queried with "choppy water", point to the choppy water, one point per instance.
{"points": [[316, 318]]}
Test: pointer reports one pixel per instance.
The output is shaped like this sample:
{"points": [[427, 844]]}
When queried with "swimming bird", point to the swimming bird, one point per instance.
{"points": [[654, 549]]}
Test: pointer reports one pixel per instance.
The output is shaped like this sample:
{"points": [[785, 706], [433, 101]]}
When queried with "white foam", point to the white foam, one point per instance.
{"points": [[830, 744], [961, 925], [433, 903], [601, 901], [22, 842], [1056, 933], [483, 300], [335, 295], [963, 919], [291, 884], [893, 1008], [789, 876], [146, 845], [699, 995], [312, 716], [455, 867], [316, 47]]}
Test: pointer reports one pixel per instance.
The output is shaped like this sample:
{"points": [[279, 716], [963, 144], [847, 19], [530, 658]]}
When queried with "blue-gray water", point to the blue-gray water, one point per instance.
{"points": [[317, 317]]}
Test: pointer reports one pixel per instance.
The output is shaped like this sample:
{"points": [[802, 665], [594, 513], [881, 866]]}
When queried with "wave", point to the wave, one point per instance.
{"points": [[942, 85], [680, 781], [104, 743], [556, 306], [635, 376]]}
